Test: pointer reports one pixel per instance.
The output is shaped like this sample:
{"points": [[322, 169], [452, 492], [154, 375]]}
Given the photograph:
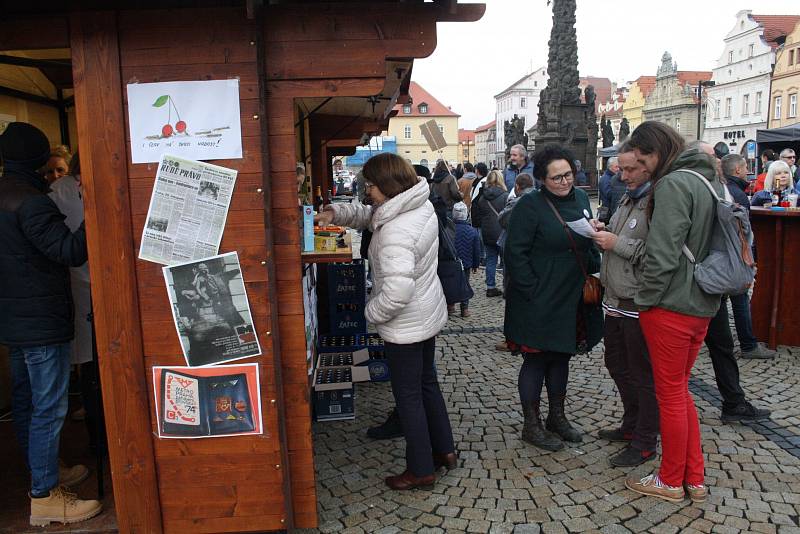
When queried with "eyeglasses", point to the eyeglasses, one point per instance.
{"points": [[789, 157], [561, 178]]}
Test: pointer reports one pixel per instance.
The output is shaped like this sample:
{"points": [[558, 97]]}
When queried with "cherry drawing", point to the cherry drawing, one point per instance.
{"points": [[167, 130]]}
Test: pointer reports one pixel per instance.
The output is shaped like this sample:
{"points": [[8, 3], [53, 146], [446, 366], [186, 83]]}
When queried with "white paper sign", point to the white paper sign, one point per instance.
{"points": [[188, 209], [582, 227], [195, 120]]}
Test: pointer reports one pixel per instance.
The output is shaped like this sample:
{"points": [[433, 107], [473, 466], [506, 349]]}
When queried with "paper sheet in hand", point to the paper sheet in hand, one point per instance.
{"points": [[582, 227], [187, 213]]}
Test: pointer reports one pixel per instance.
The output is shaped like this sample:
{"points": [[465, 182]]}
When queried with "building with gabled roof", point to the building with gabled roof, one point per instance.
{"points": [[466, 146], [638, 91], [739, 102], [672, 100], [421, 107], [486, 143]]}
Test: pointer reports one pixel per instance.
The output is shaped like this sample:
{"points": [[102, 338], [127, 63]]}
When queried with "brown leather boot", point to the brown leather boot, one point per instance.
{"points": [[407, 480]]}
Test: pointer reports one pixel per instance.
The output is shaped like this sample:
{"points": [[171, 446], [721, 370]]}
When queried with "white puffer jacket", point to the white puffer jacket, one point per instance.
{"points": [[407, 303]]}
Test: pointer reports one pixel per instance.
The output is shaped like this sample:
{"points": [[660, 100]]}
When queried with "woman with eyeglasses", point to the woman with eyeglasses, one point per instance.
{"points": [[546, 320], [407, 306]]}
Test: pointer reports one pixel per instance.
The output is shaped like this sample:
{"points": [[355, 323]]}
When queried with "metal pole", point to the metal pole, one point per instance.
{"points": [[699, 106]]}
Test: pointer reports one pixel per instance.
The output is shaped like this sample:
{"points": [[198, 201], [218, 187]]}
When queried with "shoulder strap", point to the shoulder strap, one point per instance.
{"points": [[573, 246], [491, 207]]}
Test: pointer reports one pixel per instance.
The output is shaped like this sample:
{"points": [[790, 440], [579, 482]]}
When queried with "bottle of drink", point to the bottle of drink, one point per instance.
{"points": [[329, 198], [318, 200]]}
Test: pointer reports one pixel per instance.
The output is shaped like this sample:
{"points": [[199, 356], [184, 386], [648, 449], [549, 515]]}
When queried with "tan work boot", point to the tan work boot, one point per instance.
{"points": [[697, 493], [71, 476], [653, 486], [63, 507]]}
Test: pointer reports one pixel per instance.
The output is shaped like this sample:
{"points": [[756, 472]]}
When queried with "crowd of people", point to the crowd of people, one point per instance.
{"points": [[653, 317]]}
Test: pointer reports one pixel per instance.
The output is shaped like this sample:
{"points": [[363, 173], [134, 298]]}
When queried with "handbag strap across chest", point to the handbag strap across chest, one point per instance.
{"points": [[573, 246]]}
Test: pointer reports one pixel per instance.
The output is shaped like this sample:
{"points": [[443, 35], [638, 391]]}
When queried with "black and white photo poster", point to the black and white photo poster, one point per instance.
{"points": [[211, 310]]}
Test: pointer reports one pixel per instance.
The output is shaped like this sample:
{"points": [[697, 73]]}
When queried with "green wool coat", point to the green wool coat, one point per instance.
{"points": [[545, 291]]}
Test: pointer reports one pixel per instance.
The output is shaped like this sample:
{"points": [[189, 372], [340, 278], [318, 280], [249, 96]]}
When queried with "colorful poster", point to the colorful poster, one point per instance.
{"points": [[194, 120], [211, 310], [207, 402], [188, 208]]}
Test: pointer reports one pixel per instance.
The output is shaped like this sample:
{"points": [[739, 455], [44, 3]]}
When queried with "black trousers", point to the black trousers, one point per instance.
{"points": [[539, 369], [423, 414], [719, 341], [628, 363]]}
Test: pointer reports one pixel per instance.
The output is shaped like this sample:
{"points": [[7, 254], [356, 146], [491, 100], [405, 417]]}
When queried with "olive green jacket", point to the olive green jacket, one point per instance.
{"points": [[684, 212], [545, 291]]}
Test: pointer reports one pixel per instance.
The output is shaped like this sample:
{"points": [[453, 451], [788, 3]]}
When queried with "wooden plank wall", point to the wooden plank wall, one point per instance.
{"points": [[207, 485]]}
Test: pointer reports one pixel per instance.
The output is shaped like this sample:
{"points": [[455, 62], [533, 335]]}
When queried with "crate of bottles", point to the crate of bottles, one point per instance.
{"points": [[346, 316], [377, 363], [340, 343]]}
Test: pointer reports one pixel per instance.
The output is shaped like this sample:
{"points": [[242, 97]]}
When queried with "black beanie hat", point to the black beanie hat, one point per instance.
{"points": [[24, 145]]}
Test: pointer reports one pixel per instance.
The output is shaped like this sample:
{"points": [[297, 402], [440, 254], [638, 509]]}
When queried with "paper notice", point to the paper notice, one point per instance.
{"points": [[582, 227], [188, 209]]}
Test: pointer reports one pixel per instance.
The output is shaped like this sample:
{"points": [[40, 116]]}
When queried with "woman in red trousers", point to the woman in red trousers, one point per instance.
{"points": [[674, 311]]}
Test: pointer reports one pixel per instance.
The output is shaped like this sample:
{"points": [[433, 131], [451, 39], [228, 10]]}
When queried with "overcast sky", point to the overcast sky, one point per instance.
{"points": [[617, 39]]}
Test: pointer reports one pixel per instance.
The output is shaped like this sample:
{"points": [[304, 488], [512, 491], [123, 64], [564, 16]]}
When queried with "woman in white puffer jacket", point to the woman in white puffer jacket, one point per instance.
{"points": [[407, 306]]}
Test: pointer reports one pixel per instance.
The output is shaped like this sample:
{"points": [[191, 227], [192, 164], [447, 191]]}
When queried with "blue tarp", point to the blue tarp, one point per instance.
{"points": [[377, 145]]}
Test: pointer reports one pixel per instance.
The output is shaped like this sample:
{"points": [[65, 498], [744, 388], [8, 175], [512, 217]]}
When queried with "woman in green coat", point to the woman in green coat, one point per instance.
{"points": [[546, 320]]}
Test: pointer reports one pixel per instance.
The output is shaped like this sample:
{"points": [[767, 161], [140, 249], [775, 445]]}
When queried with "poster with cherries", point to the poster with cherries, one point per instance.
{"points": [[196, 120]]}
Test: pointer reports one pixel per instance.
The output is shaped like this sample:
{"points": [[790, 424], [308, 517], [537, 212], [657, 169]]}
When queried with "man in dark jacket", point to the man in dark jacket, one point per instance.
{"points": [[485, 213], [734, 168], [520, 163], [36, 317], [604, 184]]}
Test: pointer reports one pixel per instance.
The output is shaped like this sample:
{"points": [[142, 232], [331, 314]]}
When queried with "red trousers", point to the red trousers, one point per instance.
{"points": [[674, 340]]}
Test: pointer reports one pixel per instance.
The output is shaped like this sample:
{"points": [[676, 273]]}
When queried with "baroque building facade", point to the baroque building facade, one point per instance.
{"points": [[786, 82], [673, 99], [738, 103]]}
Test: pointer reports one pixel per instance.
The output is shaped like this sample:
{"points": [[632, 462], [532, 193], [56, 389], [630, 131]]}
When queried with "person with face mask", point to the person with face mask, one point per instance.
{"points": [[36, 319]]}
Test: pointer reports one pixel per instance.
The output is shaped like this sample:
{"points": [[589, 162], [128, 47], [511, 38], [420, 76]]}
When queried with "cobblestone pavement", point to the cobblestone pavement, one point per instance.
{"points": [[506, 485]]}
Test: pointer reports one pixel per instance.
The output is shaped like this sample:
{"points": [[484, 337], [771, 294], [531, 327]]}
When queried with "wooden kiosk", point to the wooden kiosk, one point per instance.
{"points": [[775, 296], [316, 79]]}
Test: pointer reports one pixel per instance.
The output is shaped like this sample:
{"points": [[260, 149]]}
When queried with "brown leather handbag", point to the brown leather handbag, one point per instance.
{"points": [[592, 290]]}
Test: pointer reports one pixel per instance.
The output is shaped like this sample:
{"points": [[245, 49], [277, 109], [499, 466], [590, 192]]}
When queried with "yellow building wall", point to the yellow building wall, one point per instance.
{"points": [[786, 81], [633, 107], [416, 148]]}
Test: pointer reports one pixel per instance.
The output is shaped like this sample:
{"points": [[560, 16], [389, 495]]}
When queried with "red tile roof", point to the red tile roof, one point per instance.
{"points": [[776, 26], [646, 84], [466, 135], [486, 126], [421, 96], [692, 77], [602, 88]]}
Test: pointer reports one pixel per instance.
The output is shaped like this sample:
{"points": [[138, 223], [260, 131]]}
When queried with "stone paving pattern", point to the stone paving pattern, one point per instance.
{"points": [[504, 485]]}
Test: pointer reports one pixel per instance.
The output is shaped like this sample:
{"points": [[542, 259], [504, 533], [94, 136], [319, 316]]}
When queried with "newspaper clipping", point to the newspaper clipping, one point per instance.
{"points": [[187, 213], [211, 310]]}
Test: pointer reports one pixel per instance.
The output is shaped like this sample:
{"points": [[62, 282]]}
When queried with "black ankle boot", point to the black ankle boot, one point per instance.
{"points": [[534, 433], [390, 429], [557, 420]]}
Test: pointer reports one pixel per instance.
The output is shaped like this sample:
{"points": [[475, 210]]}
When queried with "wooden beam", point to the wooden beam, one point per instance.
{"points": [[98, 105], [22, 95], [34, 33]]}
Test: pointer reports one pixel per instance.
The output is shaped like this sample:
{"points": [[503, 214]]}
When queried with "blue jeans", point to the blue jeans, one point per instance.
{"points": [[40, 378], [744, 323], [492, 253]]}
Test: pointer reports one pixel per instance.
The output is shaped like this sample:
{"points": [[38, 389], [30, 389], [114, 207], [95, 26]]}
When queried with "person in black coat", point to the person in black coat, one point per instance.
{"points": [[36, 311]]}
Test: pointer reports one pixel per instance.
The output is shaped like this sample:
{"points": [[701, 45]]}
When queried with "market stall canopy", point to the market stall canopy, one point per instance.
{"points": [[787, 134]]}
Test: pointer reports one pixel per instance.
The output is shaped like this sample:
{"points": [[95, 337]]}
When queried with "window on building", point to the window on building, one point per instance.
{"points": [[746, 105], [778, 102], [793, 105], [751, 50], [757, 108], [423, 108], [678, 124], [535, 83], [791, 57], [523, 102], [728, 107], [466, 153], [407, 109], [407, 131], [730, 56], [441, 129]]}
